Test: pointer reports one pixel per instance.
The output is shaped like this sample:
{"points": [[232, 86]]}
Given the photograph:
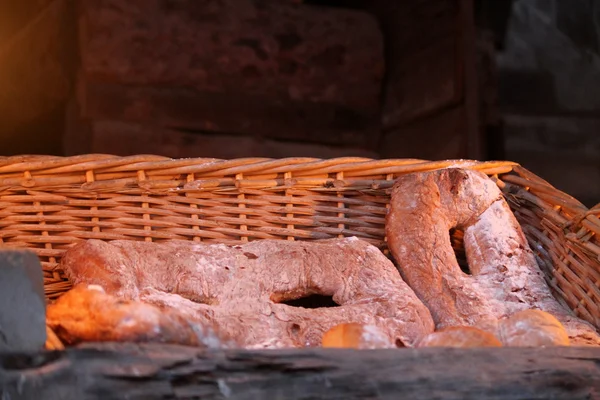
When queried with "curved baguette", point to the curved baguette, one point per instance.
{"points": [[504, 276], [242, 289]]}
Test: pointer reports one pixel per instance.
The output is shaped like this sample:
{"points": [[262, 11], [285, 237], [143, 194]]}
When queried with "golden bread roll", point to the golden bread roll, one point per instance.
{"points": [[355, 336], [460, 336], [532, 328]]}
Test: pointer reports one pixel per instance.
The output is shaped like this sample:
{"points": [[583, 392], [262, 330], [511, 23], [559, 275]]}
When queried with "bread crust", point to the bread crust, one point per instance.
{"points": [[87, 314], [242, 289], [504, 276]]}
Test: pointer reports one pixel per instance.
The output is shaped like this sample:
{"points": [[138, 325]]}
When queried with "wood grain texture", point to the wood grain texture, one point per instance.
{"points": [[444, 132], [468, 71], [269, 69], [126, 371], [240, 112], [125, 139], [423, 59]]}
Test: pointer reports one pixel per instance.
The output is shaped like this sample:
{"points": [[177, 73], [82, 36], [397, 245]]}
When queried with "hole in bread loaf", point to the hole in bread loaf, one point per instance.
{"points": [[309, 301], [295, 329], [458, 245]]}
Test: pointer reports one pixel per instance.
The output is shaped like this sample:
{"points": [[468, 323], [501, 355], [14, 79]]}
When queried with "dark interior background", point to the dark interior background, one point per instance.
{"points": [[432, 79]]}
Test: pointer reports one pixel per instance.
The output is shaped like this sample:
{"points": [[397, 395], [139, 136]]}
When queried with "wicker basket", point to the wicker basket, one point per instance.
{"points": [[49, 203]]}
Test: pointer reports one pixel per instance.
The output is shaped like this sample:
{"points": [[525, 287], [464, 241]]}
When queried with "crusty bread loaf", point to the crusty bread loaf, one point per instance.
{"points": [[245, 290], [504, 277]]}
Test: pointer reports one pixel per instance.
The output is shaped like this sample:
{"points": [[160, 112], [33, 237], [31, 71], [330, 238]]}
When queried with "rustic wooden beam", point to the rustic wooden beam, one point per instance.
{"points": [[444, 130], [475, 137], [268, 69], [423, 61], [119, 371], [123, 138]]}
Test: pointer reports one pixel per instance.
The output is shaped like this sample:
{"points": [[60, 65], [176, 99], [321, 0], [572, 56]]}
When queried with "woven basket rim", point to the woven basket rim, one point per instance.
{"points": [[49, 202]]}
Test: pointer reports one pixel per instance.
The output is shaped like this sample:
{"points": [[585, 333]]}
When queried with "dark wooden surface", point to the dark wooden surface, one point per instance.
{"points": [[123, 138], [430, 102], [122, 371], [445, 133], [423, 49], [258, 68]]}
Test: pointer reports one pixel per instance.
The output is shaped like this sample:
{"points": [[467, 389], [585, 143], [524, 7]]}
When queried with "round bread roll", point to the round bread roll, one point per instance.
{"points": [[356, 336], [460, 336], [532, 328]]}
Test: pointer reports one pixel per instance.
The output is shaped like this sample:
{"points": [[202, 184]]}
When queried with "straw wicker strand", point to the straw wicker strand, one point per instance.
{"points": [[49, 203]]}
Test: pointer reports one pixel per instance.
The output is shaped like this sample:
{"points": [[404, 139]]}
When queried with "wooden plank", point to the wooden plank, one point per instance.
{"points": [[77, 137], [423, 68], [435, 137], [415, 24], [126, 139], [126, 371], [423, 84], [238, 113], [468, 72], [225, 66]]}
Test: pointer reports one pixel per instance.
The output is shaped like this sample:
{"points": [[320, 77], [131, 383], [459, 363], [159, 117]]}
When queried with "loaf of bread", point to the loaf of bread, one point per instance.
{"points": [[87, 314], [332, 293], [503, 277], [253, 292]]}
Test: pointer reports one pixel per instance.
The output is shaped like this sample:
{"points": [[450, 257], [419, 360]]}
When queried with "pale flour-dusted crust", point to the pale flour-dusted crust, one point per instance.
{"points": [[504, 276], [240, 289]]}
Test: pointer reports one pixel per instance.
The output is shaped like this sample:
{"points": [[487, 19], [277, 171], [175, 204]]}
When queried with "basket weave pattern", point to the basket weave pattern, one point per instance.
{"points": [[49, 203]]}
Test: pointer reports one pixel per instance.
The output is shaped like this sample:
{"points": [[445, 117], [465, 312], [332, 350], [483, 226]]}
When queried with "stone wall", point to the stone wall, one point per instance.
{"points": [[550, 93]]}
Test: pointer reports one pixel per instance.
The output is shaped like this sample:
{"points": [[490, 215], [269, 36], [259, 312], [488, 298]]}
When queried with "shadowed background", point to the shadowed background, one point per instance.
{"points": [[432, 79]]}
